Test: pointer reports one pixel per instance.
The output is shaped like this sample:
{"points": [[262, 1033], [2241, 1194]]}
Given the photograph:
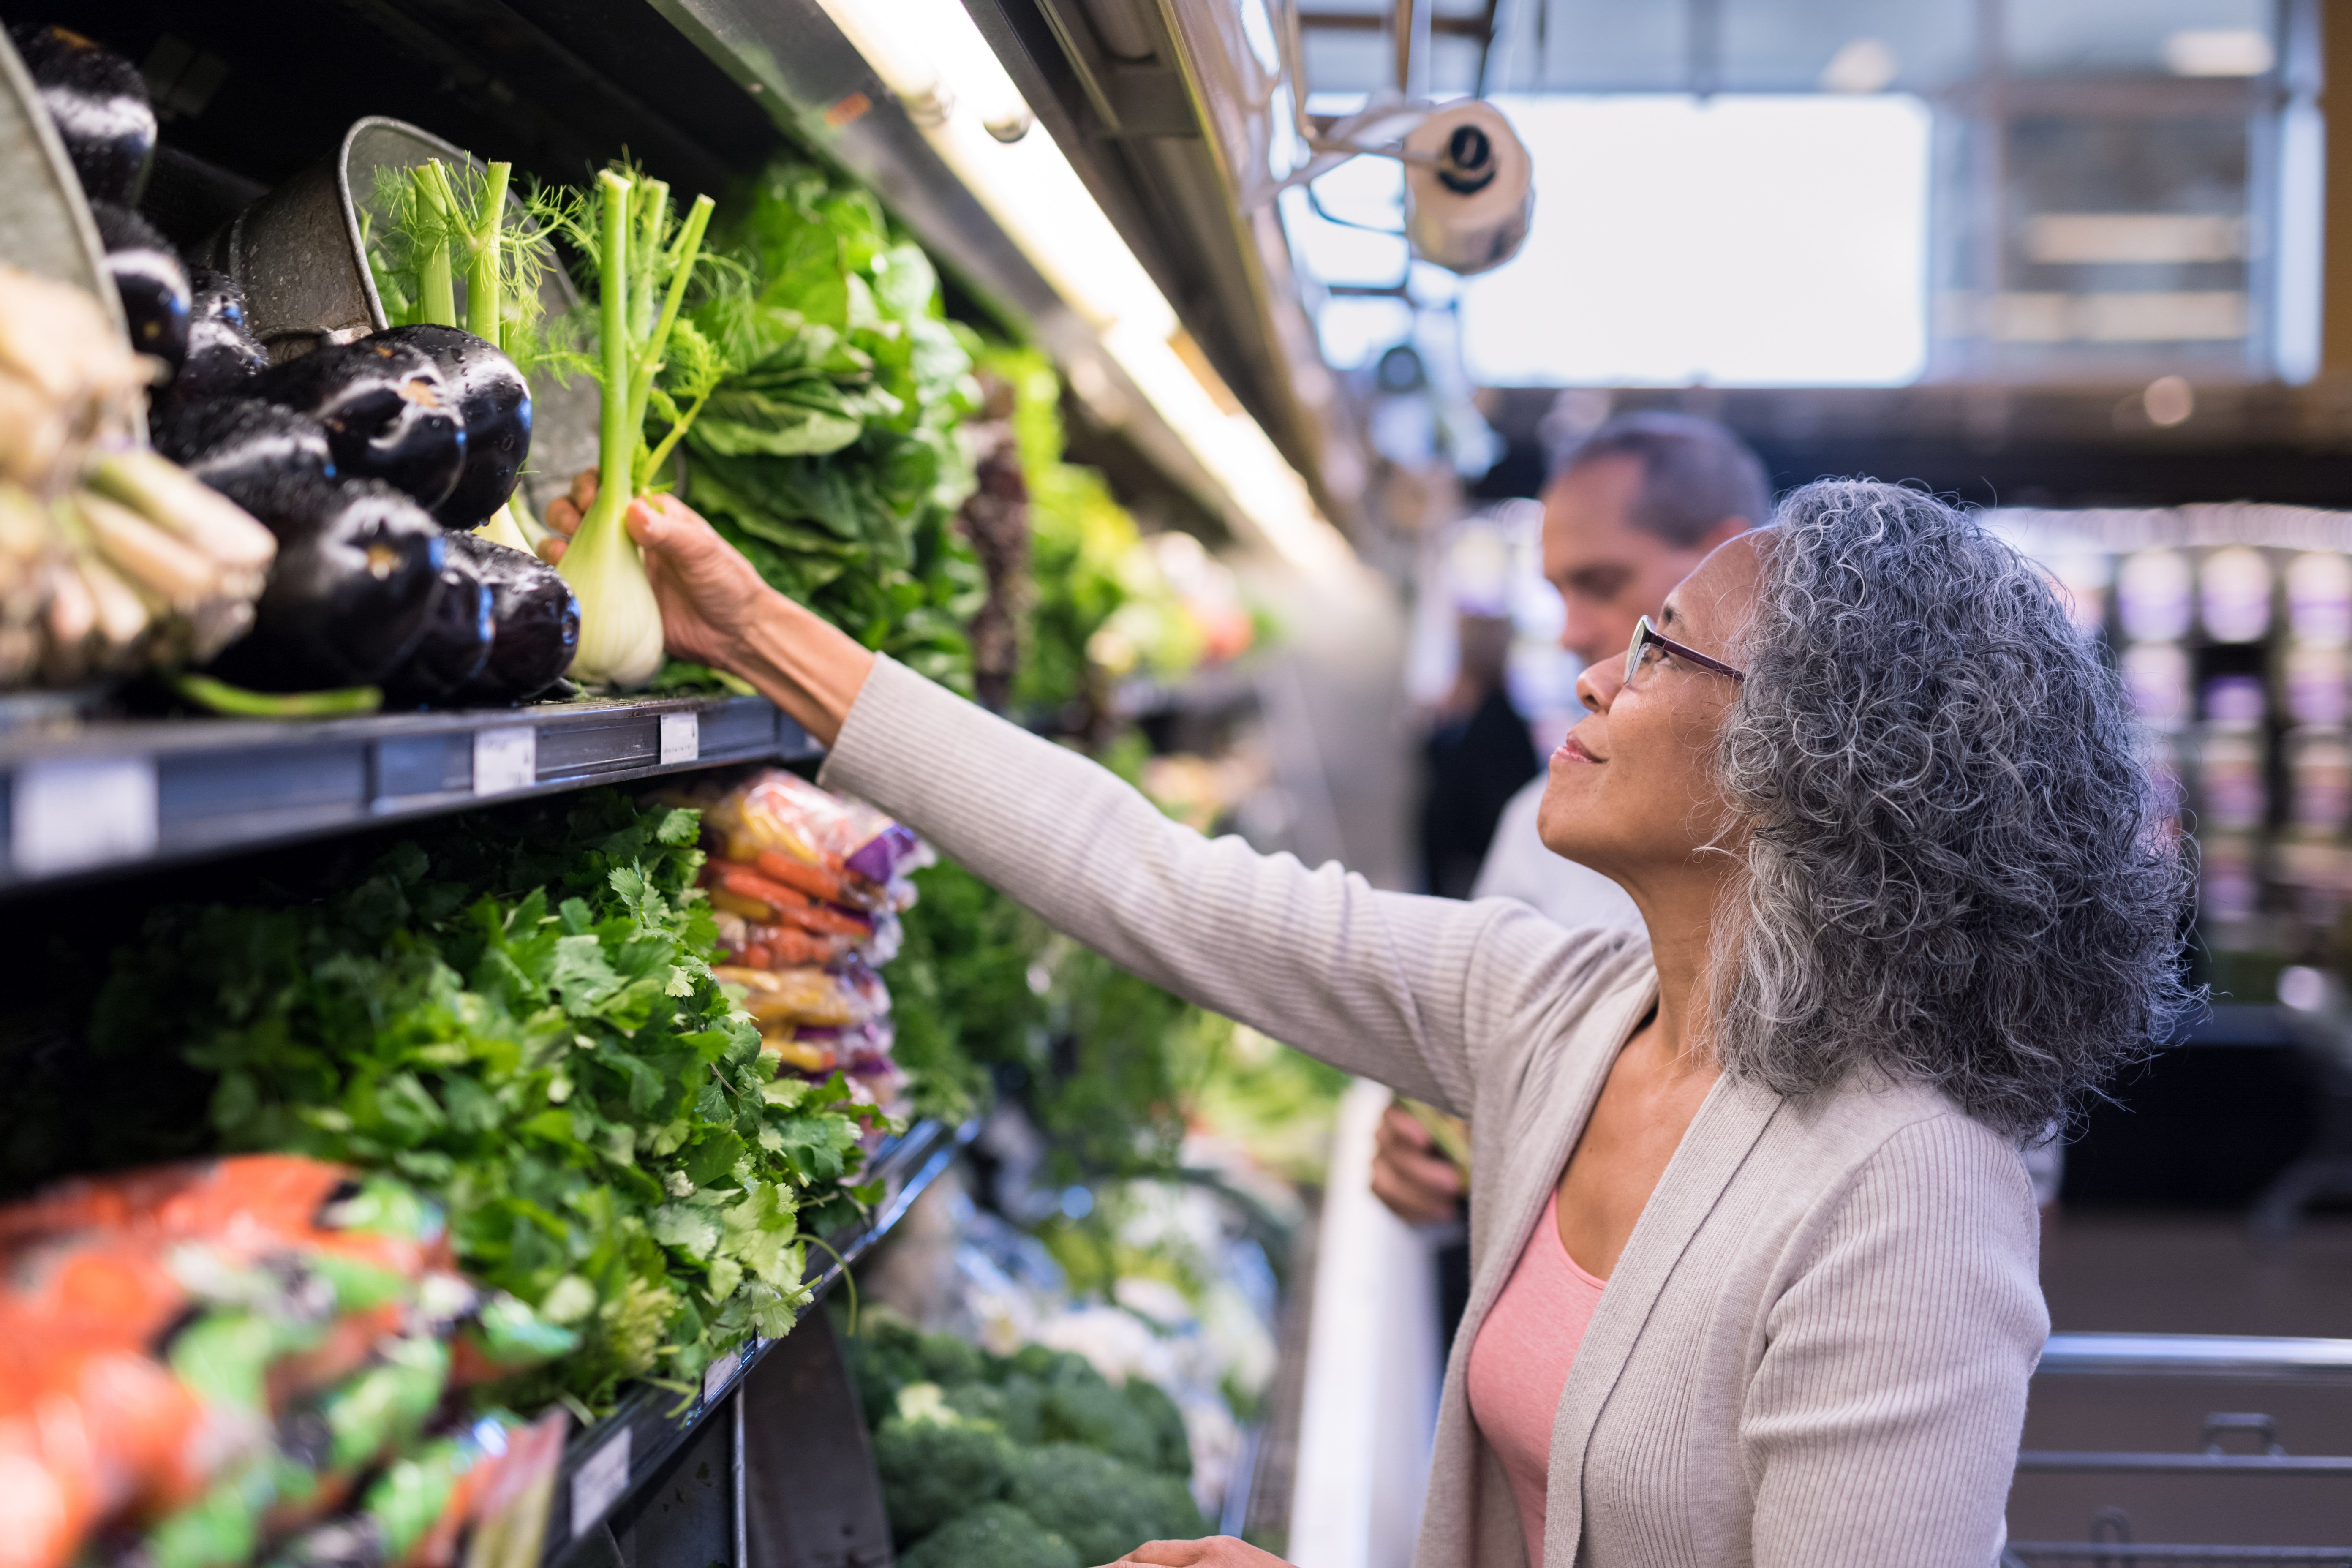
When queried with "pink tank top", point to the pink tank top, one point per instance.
{"points": [[1519, 1361]]}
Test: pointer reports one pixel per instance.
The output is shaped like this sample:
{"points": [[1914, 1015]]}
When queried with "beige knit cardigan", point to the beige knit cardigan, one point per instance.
{"points": [[1814, 1352]]}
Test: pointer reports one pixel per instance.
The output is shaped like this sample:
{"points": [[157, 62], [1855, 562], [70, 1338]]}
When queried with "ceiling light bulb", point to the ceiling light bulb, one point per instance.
{"points": [[879, 32], [968, 67]]}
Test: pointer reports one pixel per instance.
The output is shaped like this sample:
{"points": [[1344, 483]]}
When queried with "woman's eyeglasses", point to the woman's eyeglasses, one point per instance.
{"points": [[1646, 636]]}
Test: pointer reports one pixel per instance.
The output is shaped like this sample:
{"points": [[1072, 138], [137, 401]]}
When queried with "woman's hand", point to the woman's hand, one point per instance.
{"points": [[1216, 1552], [1417, 1181], [717, 611], [710, 597]]}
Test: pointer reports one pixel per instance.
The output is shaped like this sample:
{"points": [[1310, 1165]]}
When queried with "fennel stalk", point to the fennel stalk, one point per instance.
{"points": [[620, 623]]}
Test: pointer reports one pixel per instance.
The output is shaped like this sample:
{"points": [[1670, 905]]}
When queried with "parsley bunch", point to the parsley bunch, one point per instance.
{"points": [[517, 1014]]}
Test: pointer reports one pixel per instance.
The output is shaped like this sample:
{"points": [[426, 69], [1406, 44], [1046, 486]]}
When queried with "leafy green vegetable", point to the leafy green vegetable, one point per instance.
{"points": [[827, 452], [518, 1015]]}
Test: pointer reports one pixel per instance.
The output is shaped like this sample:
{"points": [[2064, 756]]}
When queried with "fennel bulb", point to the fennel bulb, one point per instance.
{"points": [[620, 623], [626, 229]]}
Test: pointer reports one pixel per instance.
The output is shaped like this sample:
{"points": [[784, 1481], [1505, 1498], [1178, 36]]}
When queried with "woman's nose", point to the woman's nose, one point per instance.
{"points": [[1597, 687]]}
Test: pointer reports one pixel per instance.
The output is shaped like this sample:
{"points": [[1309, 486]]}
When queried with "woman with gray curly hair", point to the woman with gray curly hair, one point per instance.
{"points": [[1753, 1251]]}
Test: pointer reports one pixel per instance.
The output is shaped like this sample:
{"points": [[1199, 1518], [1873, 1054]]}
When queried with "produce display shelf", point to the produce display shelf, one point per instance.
{"points": [[84, 798], [605, 1467]]}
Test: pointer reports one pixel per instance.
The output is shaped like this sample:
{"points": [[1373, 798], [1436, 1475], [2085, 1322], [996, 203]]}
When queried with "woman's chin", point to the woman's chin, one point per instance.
{"points": [[1565, 818]]}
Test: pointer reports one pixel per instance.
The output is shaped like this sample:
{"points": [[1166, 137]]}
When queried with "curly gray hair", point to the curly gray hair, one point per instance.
{"points": [[1958, 866]]}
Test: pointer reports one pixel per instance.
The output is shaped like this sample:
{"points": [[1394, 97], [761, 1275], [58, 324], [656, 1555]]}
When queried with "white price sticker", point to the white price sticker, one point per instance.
{"points": [[719, 1374], [71, 813], [681, 738], [505, 759], [598, 1484]]}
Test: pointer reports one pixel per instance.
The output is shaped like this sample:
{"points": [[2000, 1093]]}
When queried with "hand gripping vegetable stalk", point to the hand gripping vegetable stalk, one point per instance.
{"points": [[620, 624]]}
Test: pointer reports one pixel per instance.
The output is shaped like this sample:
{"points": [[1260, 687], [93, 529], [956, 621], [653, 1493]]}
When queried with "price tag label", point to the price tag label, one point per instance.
{"points": [[505, 759], [681, 738], [71, 813], [598, 1484], [719, 1374]]}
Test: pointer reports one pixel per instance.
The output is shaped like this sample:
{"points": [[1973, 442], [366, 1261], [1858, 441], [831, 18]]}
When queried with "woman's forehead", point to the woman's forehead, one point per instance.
{"points": [[1720, 589]]}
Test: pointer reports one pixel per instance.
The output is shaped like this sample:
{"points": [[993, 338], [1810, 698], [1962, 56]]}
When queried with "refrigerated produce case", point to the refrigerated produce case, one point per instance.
{"points": [[764, 1458]]}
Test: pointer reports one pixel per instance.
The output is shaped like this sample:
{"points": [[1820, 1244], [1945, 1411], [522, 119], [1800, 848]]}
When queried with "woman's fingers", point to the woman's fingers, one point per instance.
{"points": [[1420, 1185], [1398, 1125], [552, 549], [1216, 1552], [583, 489]]}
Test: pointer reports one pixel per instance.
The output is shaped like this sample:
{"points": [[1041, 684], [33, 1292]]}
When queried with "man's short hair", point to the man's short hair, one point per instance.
{"points": [[1695, 473]]}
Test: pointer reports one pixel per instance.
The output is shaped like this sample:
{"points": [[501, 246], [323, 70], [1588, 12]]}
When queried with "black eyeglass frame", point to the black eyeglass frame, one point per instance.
{"points": [[1646, 634]]}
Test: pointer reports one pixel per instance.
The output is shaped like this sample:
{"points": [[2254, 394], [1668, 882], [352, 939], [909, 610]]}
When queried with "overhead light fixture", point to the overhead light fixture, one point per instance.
{"points": [[1037, 199], [931, 56]]}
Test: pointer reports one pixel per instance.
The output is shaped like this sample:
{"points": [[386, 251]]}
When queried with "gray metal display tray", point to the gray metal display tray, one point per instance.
{"points": [[85, 799]]}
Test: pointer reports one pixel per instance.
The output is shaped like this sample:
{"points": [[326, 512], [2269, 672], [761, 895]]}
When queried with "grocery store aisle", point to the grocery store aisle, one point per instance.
{"points": [[1337, 723]]}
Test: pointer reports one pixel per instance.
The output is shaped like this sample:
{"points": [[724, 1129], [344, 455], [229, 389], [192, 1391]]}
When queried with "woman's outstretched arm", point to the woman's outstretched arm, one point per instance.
{"points": [[1405, 989]]}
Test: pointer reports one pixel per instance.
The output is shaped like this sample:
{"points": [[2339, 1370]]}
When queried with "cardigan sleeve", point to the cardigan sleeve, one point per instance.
{"points": [[1410, 990], [1881, 1427]]}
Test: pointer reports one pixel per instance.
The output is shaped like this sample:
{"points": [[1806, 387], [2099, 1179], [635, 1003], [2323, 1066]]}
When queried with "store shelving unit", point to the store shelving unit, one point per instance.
{"points": [[80, 799]]}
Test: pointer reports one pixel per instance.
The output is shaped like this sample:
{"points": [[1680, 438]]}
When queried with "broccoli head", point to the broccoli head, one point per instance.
{"points": [[994, 1535], [1166, 1422], [1085, 1409], [949, 1361], [884, 1356], [932, 1471], [1104, 1508]]}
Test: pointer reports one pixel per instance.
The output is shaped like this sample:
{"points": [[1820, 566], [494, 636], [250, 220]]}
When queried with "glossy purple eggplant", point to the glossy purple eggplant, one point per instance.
{"points": [[148, 276], [388, 414], [536, 620], [99, 103], [247, 450], [494, 404], [456, 644], [223, 354], [354, 589]]}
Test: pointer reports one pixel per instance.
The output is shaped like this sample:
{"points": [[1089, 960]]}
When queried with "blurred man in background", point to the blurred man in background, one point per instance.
{"points": [[1628, 512]]}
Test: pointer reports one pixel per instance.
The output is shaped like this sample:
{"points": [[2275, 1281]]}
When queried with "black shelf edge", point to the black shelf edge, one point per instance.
{"points": [[105, 797], [604, 1467]]}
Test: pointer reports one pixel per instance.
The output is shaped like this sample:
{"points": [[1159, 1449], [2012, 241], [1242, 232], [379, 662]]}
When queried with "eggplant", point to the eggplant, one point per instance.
{"points": [[388, 414], [493, 403], [537, 622], [223, 354], [99, 103], [149, 276], [456, 644], [354, 588], [247, 449]]}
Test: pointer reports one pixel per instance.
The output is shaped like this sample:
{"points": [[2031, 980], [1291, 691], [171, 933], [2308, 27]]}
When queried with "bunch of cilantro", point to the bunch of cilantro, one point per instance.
{"points": [[515, 1011], [828, 453]]}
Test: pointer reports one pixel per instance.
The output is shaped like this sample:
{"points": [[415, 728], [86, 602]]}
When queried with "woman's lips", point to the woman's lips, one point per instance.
{"points": [[1572, 750]]}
